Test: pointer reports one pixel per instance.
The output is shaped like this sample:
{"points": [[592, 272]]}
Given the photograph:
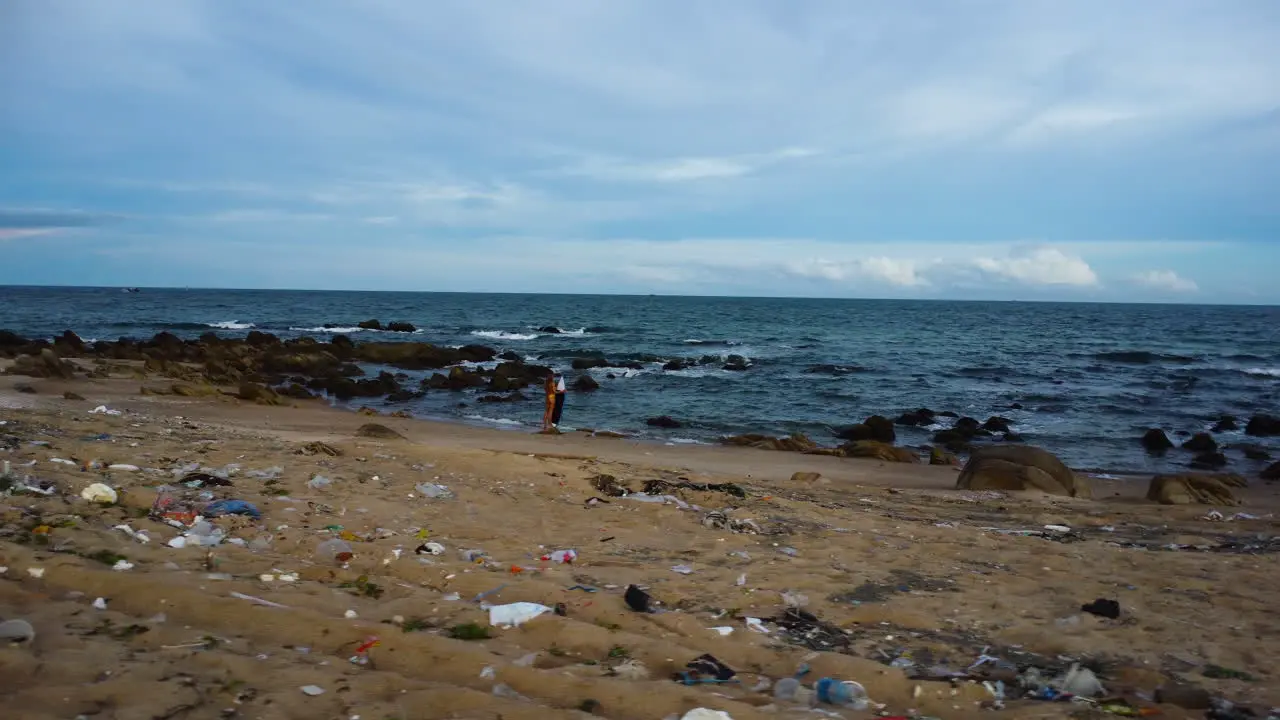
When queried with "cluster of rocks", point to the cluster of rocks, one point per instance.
{"points": [[734, 363], [1207, 453], [375, 324], [263, 367], [964, 431]]}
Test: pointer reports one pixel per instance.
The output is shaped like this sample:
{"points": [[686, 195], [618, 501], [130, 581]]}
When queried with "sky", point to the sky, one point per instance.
{"points": [[968, 149]]}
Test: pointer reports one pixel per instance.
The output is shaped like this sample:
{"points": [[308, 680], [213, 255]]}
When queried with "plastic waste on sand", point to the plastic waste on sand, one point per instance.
{"points": [[99, 493], [17, 631], [705, 714], [334, 550], [515, 614], [433, 490], [231, 507], [318, 482], [842, 693]]}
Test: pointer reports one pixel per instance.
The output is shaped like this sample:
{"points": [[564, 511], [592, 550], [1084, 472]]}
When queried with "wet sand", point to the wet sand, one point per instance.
{"points": [[895, 562]]}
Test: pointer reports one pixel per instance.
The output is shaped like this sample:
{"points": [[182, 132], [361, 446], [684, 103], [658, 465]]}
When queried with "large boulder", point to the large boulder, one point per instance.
{"points": [[1263, 425], [45, 365], [1211, 460], [1156, 441], [923, 416], [585, 383], [376, 430], [1194, 489], [997, 424], [878, 451], [663, 421], [876, 427], [1225, 423], [796, 442], [1021, 467], [587, 363], [400, 327], [1272, 472], [255, 393], [374, 324]]}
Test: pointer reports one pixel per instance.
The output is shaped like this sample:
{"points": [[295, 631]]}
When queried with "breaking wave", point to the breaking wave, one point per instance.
{"points": [[504, 335]]}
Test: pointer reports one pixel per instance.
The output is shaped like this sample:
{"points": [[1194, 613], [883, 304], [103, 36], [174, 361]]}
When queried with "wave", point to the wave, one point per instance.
{"points": [[231, 325], [712, 343], [495, 421], [328, 329], [983, 371], [834, 369], [556, 330], [1262, 372], [504, 335], [1141, 357]]}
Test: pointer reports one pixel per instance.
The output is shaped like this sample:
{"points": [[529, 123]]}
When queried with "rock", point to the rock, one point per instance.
{"points": [[1253, 452], [876, 427], [400, 327], [25, 389], [585, 383], [375, 430], [1209, 461], [460, 378], [794, 443], [46, 364], [1021, 467], [664, 421], [1226, 423], [68, 395], [997, 424], [923, 416], [295, 391], [550, 330], [1201, 443], [587, 363], [255, 393], [1015, 406], [68, 343], [953, 440], [257, 338], [948, 414], [1194, 488], [878, 451], [1155, 441], [1272, 472], [736, 363], [1263, 426], [807, 478], [370, 325], [193, 390], [938, 456], [967, 425], [1012, 437]]}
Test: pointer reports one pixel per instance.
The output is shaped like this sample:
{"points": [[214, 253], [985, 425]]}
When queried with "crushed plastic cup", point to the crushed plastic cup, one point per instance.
{"points": [[433, 490], [515, 614], [562, 557], [335, 550], [100, 493], [705, 714], [318, 482], [841, 693]]}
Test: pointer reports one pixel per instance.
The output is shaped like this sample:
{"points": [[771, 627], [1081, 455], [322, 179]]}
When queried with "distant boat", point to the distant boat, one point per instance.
{"points": [[131, 290]]}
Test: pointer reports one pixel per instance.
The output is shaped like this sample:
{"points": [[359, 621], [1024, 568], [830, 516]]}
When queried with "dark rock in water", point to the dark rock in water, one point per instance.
{"points": [[664, 421], [968, 425], [1209, 461], [1155, 441], [677, 364], [954, 440], [513, 397], [509, 356], [587, 363], [876, 427], [1182, 433], [1012, 437], [736, 363], [1021, 467], [257, 338], [375, 430], [460, 379], [1272, 472], [923, 416], [550, 330], [1226, 423], [68, 343], [585, 383], [401, 327], [1015, 406], [405, 395], [1253, 452], [374, 324], [10, 339], [1263, 426], [1201, 443], [997, 424], [1132, 357], [948, 414]]}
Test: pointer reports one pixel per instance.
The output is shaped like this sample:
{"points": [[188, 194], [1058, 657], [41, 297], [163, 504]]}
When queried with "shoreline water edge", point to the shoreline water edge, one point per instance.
{"points": [[388, 376]]}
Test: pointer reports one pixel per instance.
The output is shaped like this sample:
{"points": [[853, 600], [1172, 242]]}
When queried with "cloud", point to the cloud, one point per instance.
{"points": [[684, 169], [1166, 280], [16, 223], [893, 271], [1039, 266]]}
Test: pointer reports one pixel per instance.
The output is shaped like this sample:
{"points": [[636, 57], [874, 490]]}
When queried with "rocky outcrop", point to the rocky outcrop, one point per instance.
{"points": [[1156, 441], [1201, 443], [807, 478], [1225, 423], [400, 327], [736, 363], [1211, 460], [588, 363], [878, 451], [259, 394], [923, 416], [1021, 467], [997, 424], [792, 443], [45, 364], [1262, 425], [375, 430], [1252, 452], [585, 383], [1194, 489], [664, 421], [374, 324], [1272, 472], [876, 427]]}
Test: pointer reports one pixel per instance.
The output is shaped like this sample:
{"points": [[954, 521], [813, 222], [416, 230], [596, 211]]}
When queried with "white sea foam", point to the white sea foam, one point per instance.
{"points": [[322, 329], [504, 335], [495, 421], [231, 325]]}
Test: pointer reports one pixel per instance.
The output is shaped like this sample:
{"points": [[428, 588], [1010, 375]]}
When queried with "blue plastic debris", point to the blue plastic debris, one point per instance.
{"points": [[230, 507]]}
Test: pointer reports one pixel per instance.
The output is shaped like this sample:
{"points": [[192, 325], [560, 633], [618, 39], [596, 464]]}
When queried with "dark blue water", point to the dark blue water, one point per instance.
{"points": [[1180, 367]]}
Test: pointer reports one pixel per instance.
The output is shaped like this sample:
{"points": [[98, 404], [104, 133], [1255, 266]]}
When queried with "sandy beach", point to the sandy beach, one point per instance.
{"points": [[880, 573]]}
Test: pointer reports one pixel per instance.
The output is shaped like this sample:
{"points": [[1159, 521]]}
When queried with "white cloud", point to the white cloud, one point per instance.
{"points": [[899, 272], [1166, 280], [684, 169], [1039, 266]]}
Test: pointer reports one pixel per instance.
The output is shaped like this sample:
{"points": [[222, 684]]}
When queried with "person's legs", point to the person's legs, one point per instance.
{"points": [[559, 409], [547, 414]]}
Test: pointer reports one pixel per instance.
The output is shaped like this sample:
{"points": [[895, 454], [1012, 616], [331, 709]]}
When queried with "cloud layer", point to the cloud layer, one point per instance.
{"points": [[1000, 149]]}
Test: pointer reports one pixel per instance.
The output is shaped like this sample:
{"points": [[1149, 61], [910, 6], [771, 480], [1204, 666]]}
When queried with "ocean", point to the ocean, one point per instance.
{"points": [[1089, 378]]}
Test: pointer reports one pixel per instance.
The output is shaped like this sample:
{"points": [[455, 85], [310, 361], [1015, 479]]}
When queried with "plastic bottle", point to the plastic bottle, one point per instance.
{"points": [[841, 693], [785, 689], [334, 550]]}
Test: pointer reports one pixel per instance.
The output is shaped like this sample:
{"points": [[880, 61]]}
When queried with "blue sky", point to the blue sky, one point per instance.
{"points": [[1027, 149]]}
